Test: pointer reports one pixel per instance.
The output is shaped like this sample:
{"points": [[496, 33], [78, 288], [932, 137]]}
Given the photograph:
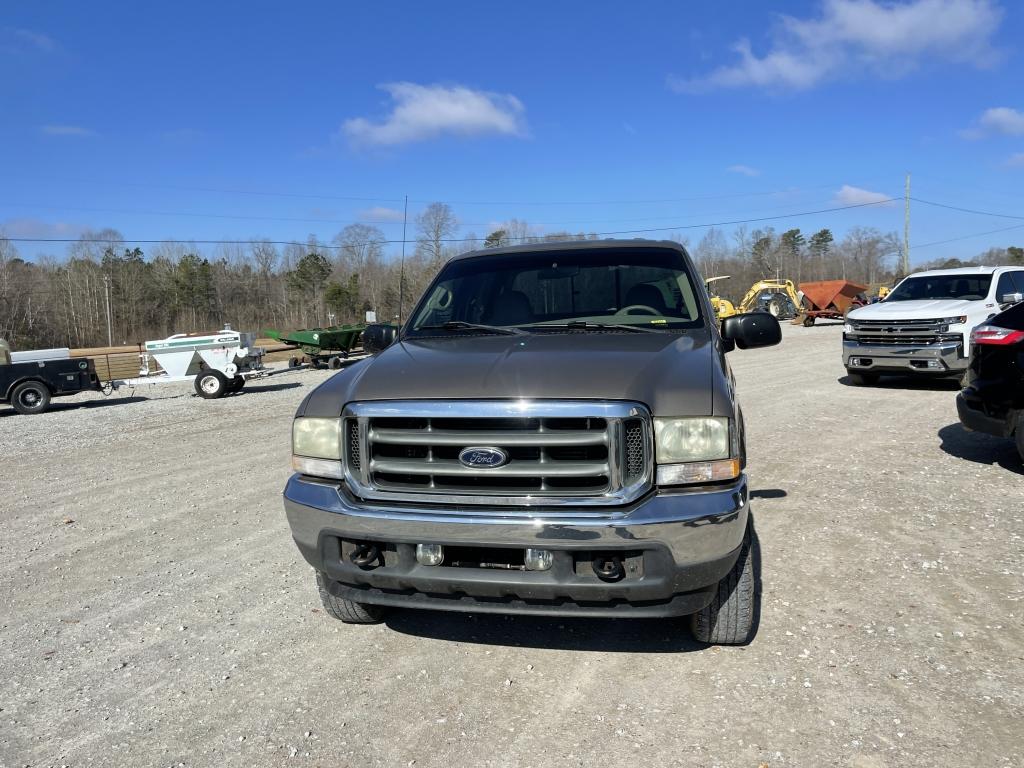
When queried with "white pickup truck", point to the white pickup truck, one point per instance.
{"points": [[923, 327]]}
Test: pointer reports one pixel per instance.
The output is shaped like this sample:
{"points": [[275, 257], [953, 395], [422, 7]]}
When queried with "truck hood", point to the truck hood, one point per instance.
{"points": [[923, 309], [673, 374]]}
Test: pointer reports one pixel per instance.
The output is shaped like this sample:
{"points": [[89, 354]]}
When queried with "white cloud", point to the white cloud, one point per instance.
{"points": [[1015, 160], [745, 170], [27, 227], [36, 39], [423, 112], [850, 36], [66, 130], [848, 195], [21, 41], [380, 213], [1002, 120], [182, 135]]}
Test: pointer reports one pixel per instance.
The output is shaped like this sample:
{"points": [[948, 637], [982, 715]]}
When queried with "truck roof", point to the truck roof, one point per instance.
{"points": [[957, 271], [570, 245]]}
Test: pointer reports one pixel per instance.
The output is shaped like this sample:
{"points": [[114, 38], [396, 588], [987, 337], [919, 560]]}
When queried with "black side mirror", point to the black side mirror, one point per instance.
{"points": [[378, 337], [753, 329]]}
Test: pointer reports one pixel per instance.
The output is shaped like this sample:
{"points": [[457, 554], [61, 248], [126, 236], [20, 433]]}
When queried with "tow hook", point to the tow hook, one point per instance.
{"points": [[365, 555], [608, 568]]}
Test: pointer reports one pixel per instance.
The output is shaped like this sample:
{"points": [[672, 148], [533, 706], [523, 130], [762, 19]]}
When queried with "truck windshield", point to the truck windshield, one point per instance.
{"points": [[647, 287], [967, 287]]}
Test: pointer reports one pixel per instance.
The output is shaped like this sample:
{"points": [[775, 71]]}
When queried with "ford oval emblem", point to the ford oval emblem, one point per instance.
{"points": [[483, 458]]}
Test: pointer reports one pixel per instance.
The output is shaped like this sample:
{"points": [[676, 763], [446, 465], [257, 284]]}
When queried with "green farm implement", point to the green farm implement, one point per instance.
{"points": [[323, 346]]}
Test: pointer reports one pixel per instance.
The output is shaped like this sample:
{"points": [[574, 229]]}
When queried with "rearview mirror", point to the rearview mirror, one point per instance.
{"points": [[1012, 298], [753, 329], [378, 337]]}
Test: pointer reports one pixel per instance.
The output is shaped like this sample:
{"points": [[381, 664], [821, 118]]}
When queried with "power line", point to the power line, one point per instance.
{"points": [[396, 200], [111, 241], [189, 214], [466, 225], [967, 210], [968, 237]]}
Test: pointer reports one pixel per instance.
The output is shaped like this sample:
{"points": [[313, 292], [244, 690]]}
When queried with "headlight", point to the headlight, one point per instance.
{"points": [[316, 447], [958, 320], [695, 450], [691, 439]]}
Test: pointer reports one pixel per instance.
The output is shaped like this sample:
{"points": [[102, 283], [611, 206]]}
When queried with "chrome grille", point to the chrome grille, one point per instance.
{"points": [[906, 338], [557, 451], [355, 451], [634, 442], [889, 332]]}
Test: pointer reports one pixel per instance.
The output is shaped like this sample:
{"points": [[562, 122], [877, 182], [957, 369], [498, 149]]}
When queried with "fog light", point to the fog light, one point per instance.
{"points": [[538, 559], [429, 554]]}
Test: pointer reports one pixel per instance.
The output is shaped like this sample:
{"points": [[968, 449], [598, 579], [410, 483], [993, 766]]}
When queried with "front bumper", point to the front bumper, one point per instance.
{"points": [[937, 359], [974, 418], [676, 547]]}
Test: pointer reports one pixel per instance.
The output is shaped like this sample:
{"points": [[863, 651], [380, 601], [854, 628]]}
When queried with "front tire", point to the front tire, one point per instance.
{"points": [[729, 618], [862, 379], [30, 397], [346, 610], [211, 384], [1019, 435]]}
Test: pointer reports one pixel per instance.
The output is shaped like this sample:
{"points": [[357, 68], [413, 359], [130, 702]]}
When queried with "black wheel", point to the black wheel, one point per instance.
{"points": [[345, 610], [808, 321], [1019, 434], [211, 384], [30, 397], [317, 363], [862, 379], [236, 384], [334, 363], [293, 362], [729, 618]]}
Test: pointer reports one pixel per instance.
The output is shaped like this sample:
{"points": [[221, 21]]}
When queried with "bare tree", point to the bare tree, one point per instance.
{"points": [[435, 226], [360, 244]]}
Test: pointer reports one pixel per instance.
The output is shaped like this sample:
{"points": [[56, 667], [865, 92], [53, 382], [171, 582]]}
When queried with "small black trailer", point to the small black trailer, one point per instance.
{"points": [[28, 387]]}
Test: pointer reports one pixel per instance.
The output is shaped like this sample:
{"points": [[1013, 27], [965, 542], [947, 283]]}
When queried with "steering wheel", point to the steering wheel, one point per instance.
{"points": [[644, 310]]}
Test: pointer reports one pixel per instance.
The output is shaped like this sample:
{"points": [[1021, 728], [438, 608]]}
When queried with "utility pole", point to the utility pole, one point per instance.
{"points": [[106, 290], [905, 256], [401, 269]]}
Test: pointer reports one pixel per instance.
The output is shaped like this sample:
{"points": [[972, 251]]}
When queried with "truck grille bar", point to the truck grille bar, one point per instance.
{"points": [[558, 452], [901, 332]]}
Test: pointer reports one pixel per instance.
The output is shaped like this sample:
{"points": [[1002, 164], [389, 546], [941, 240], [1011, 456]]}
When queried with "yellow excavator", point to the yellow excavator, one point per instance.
{"points": [[779, 297]]}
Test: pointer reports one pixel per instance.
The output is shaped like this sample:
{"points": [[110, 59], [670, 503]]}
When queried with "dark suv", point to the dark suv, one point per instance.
{"points": [[992, 399], [555, 431]]}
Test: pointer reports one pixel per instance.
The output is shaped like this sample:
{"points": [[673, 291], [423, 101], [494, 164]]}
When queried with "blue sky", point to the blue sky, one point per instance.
{"points": [[239, 120]]}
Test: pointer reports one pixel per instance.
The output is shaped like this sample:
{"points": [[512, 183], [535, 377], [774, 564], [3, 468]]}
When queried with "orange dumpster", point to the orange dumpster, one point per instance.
{"points": [[835, 295]]}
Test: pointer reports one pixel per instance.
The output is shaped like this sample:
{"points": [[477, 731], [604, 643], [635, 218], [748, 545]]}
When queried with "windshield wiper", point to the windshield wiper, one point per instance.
{"points": [[583, 325], [461, 325]]}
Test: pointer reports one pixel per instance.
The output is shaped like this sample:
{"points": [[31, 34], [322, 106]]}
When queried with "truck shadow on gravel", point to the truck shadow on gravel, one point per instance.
{"points": [[56, 406], [980, 448], [566, 634], [271, 387], [907, 382]]}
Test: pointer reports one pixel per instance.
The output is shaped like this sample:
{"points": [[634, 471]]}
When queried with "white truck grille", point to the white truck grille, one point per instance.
{"points": [[552, 452]]}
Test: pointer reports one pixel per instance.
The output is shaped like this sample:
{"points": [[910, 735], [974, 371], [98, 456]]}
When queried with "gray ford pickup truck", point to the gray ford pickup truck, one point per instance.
{"points": [[554, 431]]}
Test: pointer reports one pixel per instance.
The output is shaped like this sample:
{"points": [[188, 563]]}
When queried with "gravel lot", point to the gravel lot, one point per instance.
{"points": [[154, 611]]}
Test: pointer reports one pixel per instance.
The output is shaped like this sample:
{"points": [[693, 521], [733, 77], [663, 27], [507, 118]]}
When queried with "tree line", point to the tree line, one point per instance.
{"points": [[176, 287]]}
